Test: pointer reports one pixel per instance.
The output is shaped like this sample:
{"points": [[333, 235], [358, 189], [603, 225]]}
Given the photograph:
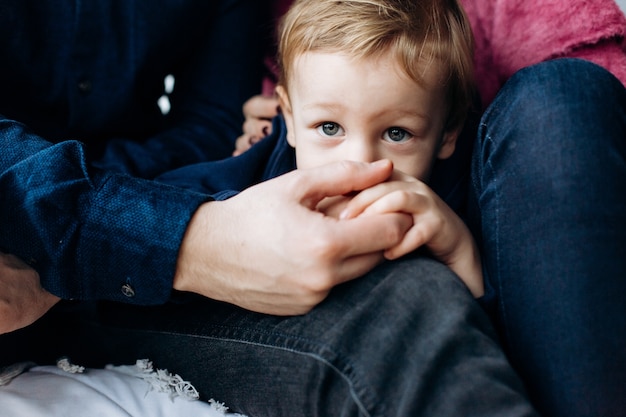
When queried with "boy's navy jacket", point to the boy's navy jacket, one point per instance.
{"points": [[222, 179]]}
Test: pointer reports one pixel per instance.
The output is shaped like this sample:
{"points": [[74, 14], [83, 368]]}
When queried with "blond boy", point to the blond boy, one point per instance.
{"points": [[365, 80], [368, 80]]}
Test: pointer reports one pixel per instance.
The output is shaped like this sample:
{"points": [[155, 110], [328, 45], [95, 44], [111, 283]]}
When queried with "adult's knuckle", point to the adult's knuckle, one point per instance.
{"points": [[324, 248], [316, 288]]}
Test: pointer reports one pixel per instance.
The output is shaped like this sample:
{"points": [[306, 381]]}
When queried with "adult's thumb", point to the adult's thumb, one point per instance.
{"points": [[340, 178]]}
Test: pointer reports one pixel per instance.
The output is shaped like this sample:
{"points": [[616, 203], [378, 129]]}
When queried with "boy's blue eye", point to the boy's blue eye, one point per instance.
{"points": [[329, 129], [395, 134]]}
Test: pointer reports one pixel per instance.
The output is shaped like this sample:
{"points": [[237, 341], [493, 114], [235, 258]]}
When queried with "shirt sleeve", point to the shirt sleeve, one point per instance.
{"points": [[90, 234], [511, 35]]}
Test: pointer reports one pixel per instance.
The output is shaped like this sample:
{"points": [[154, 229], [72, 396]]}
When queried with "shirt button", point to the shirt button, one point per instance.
{"points": [[128, 290], [84, 86]]}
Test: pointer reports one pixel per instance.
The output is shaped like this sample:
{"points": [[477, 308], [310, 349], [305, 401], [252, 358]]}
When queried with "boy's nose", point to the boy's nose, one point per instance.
{"points": [[361, 151]]}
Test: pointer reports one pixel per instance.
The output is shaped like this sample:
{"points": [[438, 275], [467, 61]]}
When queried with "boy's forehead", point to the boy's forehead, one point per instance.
{"points": [[308, 66], [371, 87]]}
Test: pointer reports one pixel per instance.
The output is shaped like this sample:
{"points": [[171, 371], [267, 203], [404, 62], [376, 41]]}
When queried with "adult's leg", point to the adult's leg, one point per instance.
{"points": [[549, 183], [405, 340]]}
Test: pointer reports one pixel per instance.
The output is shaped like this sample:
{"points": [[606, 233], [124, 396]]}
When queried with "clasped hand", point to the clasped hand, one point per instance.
{"points": [[285, 256], [435, 225]]}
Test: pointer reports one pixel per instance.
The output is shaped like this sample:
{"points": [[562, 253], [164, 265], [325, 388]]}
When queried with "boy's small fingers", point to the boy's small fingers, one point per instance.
{"points": [[257, 127], [362, 201], [413, 239], [397, 201], [261, 107], [373, 235]]}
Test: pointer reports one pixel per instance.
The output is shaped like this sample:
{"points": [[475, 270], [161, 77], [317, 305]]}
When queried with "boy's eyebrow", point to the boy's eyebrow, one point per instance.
{"points": [[323, 105], [333, 106]]}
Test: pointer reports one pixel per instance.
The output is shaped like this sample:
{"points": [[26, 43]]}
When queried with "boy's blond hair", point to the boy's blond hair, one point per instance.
{"points": [[417, 32]]}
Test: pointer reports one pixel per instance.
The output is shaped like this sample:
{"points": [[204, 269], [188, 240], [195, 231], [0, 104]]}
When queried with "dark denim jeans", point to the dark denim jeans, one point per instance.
{"points": [[405, 340], [549, 191]]}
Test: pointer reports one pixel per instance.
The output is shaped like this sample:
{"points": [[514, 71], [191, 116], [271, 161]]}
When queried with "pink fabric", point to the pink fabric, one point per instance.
{"points": [[279, 7], [512, 34]]}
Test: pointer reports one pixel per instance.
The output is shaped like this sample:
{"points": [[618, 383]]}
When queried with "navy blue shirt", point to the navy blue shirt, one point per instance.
{"points": [[81, 133], [268, 158]]}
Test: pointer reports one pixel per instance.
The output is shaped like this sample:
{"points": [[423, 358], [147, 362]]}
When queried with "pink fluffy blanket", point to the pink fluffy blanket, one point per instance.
{"points": [[512, 34]]}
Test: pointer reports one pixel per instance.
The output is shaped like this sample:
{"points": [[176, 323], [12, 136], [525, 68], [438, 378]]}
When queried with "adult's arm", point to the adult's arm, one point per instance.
{"points": [[91, 234], [511, 35]]}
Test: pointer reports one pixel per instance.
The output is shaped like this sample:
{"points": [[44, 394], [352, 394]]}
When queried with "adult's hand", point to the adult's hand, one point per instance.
{"points": [[22, 299], [270, 250]]}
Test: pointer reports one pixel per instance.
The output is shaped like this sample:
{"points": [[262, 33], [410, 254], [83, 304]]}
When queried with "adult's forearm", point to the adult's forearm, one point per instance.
{"points": [[89, 234]]}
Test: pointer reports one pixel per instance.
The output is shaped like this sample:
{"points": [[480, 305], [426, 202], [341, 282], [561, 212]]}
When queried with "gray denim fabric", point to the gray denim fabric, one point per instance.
{"points": [[405, 340]]}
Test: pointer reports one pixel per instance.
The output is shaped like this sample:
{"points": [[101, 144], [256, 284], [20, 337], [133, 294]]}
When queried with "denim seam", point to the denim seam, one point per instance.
{"points": [[496, 223], [319, 358], [309, 344]]}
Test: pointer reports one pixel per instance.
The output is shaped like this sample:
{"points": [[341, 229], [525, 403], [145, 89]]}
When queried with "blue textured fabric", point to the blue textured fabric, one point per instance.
{"points": [[549, 208], [267, 159], [80, 126]]}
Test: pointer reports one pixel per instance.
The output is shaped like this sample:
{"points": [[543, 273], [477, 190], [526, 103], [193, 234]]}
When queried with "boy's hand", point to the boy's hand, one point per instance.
{"points": [[259, 112], [434, 224]]}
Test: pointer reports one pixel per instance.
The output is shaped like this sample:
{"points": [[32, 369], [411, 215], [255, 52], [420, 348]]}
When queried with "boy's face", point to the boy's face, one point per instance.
{"points": [[339, 108]]}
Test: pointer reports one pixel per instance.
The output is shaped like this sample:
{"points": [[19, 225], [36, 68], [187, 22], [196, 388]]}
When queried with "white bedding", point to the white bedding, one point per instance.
{"points": [[124, 391]]}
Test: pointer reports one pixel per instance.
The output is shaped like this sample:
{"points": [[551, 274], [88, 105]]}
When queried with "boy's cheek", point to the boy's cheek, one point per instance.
{"points": [[310, 156]]}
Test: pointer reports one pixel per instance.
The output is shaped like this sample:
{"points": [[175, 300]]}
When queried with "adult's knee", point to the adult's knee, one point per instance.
{"points": [[425, 289], [562, 115], [559, 100], [560, 89]]}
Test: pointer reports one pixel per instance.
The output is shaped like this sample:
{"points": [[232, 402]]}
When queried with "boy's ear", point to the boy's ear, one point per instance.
{"points": [[448, 143], [285, 107]]}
